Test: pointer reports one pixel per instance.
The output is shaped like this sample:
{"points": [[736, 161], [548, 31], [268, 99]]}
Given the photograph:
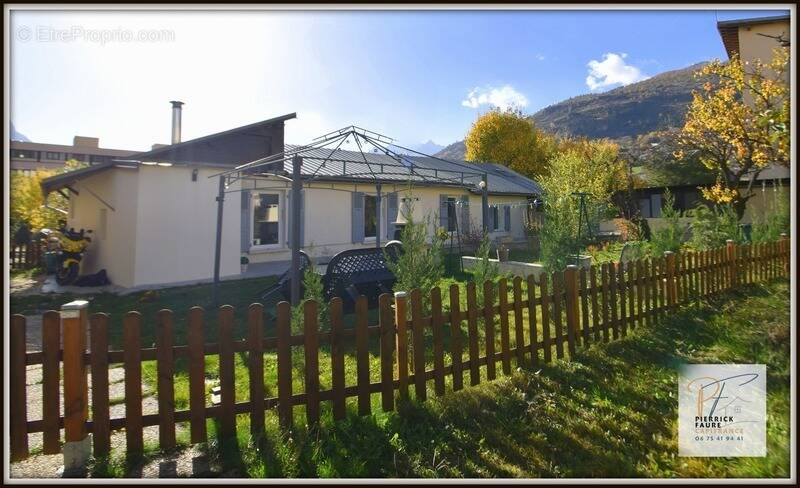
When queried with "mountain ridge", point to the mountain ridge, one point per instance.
{"points": [[657, 103]]}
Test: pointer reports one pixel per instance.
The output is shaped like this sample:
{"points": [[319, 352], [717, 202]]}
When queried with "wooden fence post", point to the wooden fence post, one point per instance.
{"points": [[671, 289], [571, 304], [785, 253], [18, 400], [74, 324], [733, 271], [400, 298]]}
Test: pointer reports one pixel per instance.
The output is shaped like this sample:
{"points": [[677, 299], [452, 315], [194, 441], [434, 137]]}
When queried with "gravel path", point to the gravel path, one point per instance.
{"points": [[187, 462]]}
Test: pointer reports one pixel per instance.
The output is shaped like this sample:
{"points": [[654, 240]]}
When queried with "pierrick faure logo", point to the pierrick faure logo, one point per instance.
{"points": [[722, 410]]}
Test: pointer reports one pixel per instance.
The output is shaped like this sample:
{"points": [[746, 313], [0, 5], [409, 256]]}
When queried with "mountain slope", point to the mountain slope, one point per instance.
{"points": [[657, 103]]}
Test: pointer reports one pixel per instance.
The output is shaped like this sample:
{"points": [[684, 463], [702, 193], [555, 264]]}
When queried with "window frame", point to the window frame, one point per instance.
{"points": [[364, 208], [383, 228], [254, 199], [495, 209], [452, 202]]}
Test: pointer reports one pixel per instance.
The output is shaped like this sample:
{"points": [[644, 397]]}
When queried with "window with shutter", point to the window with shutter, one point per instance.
{"points": [[357, 220]]}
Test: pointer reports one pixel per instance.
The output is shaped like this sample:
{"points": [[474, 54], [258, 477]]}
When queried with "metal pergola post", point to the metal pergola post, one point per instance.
{"points": [[485, 202], [378, 215], [297, 186], [218, 248]]}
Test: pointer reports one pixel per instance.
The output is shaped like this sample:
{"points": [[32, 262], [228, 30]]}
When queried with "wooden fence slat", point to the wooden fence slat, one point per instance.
{"points": [[227, 377], [595, 303], [532, 320], [640, 292], [558, 295], [18, 401], [101, 421], [400, 318], [255, 366], [505, 336], [630, 268], [571, 307], [166, 372], [519, 332], [132, 347], [613, 291], [283, 332], [362, 356], [311, 355], [585, 318], [545, 300], [437, 322], [418, 340], [386, 321], [686, 283], [606, 300], [622, 290], [51, 382], [456, 347], [472, 325], [335, 310], [488, 319], [197, 375], [701, 278]]}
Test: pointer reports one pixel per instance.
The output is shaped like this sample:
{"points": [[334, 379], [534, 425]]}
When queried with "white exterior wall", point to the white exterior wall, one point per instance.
{"points": [[328, 215], [112, 250], [176, 226]]}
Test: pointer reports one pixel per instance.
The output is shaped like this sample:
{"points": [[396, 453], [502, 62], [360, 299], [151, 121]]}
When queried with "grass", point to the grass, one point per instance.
{"points": [[611, 412]]}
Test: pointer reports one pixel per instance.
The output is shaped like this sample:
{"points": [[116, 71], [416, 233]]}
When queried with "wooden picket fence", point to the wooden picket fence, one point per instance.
{"points": [[26, 255], [553, 317]]}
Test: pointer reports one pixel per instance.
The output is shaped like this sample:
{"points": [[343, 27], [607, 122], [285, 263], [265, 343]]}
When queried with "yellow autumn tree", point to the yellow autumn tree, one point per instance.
{"points": [[27, 199], [593, 168], [509, 138], [738, 124]]}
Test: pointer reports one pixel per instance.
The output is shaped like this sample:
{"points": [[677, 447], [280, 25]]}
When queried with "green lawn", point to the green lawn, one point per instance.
{"points": [[609, 413]]}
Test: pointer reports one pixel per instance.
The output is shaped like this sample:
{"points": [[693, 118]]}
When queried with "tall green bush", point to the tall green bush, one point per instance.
{"points": [[421, 264], [484, 269], [558, 242], [712, 226], [670, 236], [313, 290], [775, 220]]}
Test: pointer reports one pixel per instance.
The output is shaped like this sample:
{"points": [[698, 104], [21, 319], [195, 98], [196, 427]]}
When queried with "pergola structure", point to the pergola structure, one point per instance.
{"points": [[379, 160]]}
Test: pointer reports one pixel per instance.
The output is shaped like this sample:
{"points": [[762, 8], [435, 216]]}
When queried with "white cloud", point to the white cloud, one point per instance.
{"points": [[503, 97], [612, 70], [540, 57]]}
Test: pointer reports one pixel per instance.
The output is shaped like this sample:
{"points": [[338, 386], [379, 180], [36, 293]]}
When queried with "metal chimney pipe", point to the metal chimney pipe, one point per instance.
{"points": [[176, 121]]}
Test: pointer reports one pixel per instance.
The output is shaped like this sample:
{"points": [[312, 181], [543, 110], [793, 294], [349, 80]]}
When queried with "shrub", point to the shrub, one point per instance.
{"points": [[669, 237], [774, 221], [484, 269], [629, 230], [313, 290], [421, 264], [712, 226], [558, 241]]}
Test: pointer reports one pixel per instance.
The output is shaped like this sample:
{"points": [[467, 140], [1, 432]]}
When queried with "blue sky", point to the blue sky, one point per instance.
{"points": [[412, 75]]}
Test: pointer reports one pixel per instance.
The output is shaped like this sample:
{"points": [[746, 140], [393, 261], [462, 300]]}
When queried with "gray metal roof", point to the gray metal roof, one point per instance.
{"points": [[342, 165]]}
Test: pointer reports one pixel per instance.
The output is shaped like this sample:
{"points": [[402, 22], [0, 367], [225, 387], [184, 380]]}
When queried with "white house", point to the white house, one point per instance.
{"points": [[154, 214]]}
